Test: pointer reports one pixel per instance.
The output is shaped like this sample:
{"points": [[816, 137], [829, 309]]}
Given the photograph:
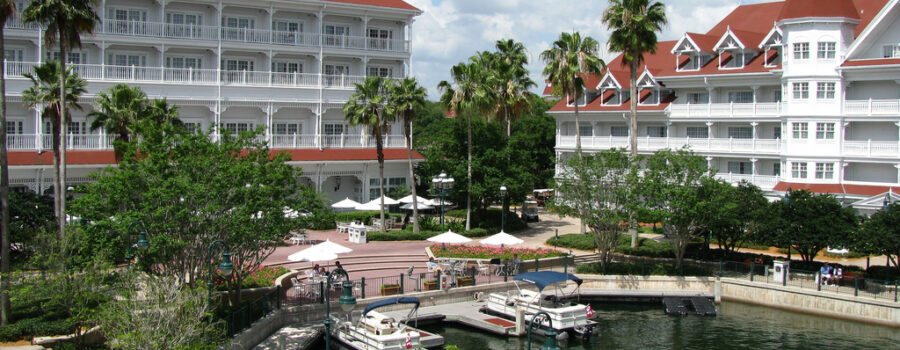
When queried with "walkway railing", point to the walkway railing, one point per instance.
{"points": [[253, 311], [28, 142]]}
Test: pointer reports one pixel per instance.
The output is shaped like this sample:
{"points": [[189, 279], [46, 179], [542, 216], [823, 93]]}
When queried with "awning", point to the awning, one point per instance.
{"points": [[542, 279], [391, 301]]}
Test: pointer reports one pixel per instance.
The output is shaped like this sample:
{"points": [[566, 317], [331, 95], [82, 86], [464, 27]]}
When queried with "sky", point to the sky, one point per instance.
{"points": [[450, 31]]}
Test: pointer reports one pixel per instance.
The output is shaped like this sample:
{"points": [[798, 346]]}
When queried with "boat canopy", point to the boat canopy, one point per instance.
{"points": [[392, 301], [543, 279]]}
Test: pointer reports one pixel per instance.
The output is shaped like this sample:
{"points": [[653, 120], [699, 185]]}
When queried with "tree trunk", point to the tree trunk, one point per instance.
{"points": [[412, 176], [379, 146], [469, 174], [63, 121], [4, 197], [632, 137], [583, 229]]}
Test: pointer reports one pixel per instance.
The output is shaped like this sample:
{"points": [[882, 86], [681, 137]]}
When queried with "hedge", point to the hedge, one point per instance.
{"points": [[409, 235], [651, 269], [36, 327], [490, 219]]}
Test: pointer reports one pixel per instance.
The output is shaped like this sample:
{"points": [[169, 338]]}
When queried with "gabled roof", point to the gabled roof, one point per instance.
{"points": [[865, 31], [646, 79], [774, 37], [876, 202], [397, 4], [744, 39], [609, 81], [697, 42], [794, 9]]}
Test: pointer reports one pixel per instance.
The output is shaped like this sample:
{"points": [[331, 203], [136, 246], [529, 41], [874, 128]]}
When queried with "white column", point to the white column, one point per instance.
{"points": [[365, 32], [39, 128], [709, 130], [269, 115]]}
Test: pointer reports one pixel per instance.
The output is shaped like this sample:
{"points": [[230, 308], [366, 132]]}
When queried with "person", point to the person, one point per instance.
{"points": [[825, 272], [322, 272], [433, 266], [314, 272], [759, 260], [337, 265], [514, 263]]}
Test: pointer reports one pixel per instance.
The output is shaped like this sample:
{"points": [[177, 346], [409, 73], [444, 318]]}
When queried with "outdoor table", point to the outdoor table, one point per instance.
{"points": [[343, 227]]}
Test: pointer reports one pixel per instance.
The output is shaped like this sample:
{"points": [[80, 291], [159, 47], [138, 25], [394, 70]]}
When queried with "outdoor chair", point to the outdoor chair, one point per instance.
{"points": [[497, 264], [298, 288], [459, 267], [483, 269], [409, 272]]}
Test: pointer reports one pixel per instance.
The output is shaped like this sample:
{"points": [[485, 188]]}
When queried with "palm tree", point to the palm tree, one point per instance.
{"points": [[405, 97], [367, 106], [160, 111], [469, 94], [634, 24], [7, 9], [45, 93], [513, 81], [65, 21], [118, 111], [570, 58]]}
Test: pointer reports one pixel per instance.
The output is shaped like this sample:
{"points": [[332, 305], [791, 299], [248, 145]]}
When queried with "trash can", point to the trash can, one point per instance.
{"points": [[781, 271], [444, 281]]}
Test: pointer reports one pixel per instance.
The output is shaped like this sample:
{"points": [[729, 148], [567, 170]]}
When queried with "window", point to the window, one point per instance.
{"points": [[656, 131], [801, 51], [287, 67], [13, 55], [798, 170], [75, 57], [335, 35], [127, 60], [776, 169], [776, 95], [77, 128], [586, 130], [183, 62], [238, 65], [735, 167], [824, 170], [776, 132], [618, 131], [235, 28], [334, 129], [287, 26], [800, 130], [186, 19], [698, 97], [826, 50], [740, 132], [333, 74], [740, 96], [825, 131], [129, 15], [800, 90], [238, 22], [14, 127], [700, 132], [236, 128], [287, 129], [825, 90], [285, 32], [191, 127], [380, 39], [384, 72], [891, 51], [390, 184]]}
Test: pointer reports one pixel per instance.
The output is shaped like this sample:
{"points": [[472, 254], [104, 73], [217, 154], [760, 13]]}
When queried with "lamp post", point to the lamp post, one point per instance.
{"points": [[441, 186], [347, 300], [502, 208], [787, 200], [549, 335], [142, 242], [225, 267], [887, 201]]}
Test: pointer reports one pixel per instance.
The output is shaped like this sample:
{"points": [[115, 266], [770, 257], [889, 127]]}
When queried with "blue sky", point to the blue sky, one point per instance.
{"points": [[450, 31]]}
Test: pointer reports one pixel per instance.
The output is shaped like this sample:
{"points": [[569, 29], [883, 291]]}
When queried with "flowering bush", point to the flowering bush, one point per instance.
{"points": [[489, 252], [261, 276]]}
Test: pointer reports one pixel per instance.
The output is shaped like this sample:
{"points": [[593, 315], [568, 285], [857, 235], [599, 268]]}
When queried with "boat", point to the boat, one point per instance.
{"points": [[378, 331], [568, 316]]}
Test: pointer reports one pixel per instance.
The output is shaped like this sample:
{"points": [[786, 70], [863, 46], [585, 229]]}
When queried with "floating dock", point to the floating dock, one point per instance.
{"points": [[466, 313]]}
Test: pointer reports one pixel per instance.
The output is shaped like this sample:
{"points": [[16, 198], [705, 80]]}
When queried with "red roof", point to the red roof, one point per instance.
{"points": [[706, 42], [818, 8], [750, 40], [757, 18], [397, 4], [871, 62], [106, 157], [863, 190]]}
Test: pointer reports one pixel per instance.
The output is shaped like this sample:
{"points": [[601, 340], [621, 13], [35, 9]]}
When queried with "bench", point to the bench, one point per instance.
{"points": [[849, 276]]}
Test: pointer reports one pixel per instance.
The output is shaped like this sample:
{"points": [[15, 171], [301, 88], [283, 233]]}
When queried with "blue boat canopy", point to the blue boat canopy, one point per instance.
{"points": [[543, 279], [392, 301]]}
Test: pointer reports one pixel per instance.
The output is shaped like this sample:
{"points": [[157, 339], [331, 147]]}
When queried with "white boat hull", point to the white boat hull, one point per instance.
{"points": [[572, 318], [357, 338]]}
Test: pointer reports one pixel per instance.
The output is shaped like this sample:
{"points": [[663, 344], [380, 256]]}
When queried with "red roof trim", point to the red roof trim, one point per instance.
{"points": [[863, 190], [871, 62], [397, 4]]}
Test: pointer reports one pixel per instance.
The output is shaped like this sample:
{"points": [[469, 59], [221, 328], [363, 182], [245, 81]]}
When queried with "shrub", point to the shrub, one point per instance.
{"points": [[651, 269], [409, 235], [574, 241], [490, 219], [883, 273], [489, 252]]}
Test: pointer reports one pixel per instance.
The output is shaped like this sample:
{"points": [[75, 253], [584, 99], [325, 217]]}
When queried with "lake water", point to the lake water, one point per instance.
{"points": [[738, 326]]}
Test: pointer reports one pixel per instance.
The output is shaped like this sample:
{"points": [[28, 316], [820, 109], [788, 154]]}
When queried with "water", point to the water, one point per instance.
{"points": [[738, 326]]}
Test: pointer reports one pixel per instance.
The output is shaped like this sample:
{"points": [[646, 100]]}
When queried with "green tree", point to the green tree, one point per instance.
{"points": [[880, 234], [807, 223], [160, 111], [598, 188], [567, 62], [7, 9], [118, 110], [405, 97], [45, 92], [65, 21], [735, 213], [634, 24], [512, 80], [368, 106]]}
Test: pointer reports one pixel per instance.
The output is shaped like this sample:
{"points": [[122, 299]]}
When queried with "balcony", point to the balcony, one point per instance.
{"points": [[244, 35], [28, 142], [872, 148], [872, 107], [765, 182], [725, 110], [96, 72], [721, 145]]}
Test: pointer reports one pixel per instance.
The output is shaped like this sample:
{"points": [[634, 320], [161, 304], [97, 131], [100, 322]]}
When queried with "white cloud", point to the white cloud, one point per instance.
{"points": [[450, 31]]}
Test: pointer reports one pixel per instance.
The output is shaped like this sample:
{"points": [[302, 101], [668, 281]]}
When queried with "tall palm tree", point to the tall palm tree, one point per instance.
{"points": [[405, 97], [118, 111], [513, 81], [160, 111], [567, 62], [468, 93], [45, 93], [65, 21], [7, 9], [634, 25], [367, 106]]}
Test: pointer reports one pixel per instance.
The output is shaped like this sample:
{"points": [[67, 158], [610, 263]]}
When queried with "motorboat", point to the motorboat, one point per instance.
{"points": [[567, 315], [378, 331]]}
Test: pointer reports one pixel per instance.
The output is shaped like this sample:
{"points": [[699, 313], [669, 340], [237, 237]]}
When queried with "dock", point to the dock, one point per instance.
{"points": [[465, 313]]}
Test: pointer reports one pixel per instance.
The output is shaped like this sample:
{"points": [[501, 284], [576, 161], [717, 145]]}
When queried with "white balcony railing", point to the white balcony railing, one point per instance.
{"points": [[872, 107], [656, 143], [718, 110], [248, 35], [28, 142], [871, 148], [93, 72], [765, 182]]}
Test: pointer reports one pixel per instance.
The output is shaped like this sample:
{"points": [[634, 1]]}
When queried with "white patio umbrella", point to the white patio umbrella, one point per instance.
{"points": [[422, 206], [502, 238], [346, 204], [408, 199], [436, 202], [449, 237], [387, 201], [312, 256], [321, 250], [375, 204]]}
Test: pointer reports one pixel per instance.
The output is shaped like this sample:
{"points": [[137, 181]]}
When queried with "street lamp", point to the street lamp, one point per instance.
{"points": [[225, 267], [549, 334], [502, 208], [347, 300], [441, 186], [142, 242]]}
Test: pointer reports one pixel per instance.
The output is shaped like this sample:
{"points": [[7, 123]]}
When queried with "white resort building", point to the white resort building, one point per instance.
{"points": [[800, 94], [289, 65]]}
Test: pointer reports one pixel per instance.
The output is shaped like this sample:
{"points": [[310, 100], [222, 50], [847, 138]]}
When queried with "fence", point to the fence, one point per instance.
{"points": [[253, 311]]}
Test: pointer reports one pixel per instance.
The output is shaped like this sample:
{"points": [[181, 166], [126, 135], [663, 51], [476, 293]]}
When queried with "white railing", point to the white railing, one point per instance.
{"points": [[262, 36], [293, 141], [760, 109], [92, 72], [765, 182], [657, 143], [27, 142], [871, 148], [872, 107]]}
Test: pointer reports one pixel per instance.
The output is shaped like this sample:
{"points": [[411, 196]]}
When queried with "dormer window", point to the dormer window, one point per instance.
{"points": [[584, 99], [690, 61], [648, 89], [689, 54], [773, 47]]}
